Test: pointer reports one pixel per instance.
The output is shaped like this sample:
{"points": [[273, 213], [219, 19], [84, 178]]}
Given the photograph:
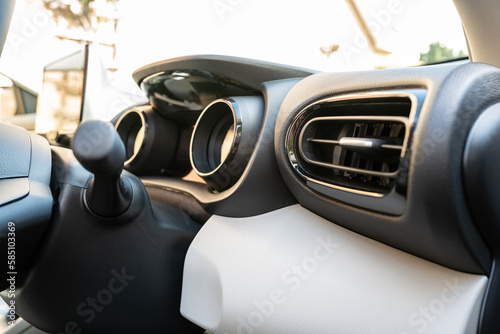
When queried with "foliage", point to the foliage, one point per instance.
{"points": [[438, 53], [78, 13]]}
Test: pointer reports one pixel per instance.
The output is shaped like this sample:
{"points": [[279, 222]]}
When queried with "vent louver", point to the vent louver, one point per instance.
{"points": [[357, 144], [363, 151]]}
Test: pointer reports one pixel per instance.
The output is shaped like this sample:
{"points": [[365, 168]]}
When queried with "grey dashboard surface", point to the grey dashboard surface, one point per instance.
{"points": [[436, 224]]}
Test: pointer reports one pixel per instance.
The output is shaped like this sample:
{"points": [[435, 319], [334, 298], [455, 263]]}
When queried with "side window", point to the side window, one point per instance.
{"points": [[8, 105]]}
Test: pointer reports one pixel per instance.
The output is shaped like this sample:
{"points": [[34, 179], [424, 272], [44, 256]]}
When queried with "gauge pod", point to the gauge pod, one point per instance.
{"points": [[150, 142], [224, 138]]}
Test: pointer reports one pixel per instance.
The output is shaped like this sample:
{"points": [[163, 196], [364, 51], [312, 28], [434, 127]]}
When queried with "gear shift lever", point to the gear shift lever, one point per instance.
{"points": [[99, 149]]}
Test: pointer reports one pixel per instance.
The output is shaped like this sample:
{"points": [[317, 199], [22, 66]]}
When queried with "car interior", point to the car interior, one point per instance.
{"points": [[253, 197]]}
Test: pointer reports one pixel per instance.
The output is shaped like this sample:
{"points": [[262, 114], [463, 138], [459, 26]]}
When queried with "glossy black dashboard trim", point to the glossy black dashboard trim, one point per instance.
{"points": [[246, 72]]}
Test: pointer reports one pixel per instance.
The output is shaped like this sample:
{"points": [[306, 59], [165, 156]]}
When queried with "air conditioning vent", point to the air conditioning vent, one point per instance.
{"points": [[362, 151], [356, 144]]}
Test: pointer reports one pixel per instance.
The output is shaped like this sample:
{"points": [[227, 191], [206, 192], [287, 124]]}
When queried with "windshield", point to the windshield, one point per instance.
{"points": [[326, 35]]}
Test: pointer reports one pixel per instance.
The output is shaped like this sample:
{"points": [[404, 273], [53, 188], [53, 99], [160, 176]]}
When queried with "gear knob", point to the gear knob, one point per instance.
{"points": [[99, 149]]}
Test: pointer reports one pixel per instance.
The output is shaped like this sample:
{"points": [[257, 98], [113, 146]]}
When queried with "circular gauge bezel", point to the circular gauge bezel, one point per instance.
{"points": [[209, 135], [129, 126]]}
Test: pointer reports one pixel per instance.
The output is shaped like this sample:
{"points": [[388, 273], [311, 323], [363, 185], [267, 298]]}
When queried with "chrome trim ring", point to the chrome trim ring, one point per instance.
{"points": [[204, 147], [416, 97]]}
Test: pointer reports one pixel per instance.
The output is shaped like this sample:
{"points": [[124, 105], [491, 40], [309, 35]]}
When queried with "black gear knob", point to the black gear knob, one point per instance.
{"points": [[99, 149]]}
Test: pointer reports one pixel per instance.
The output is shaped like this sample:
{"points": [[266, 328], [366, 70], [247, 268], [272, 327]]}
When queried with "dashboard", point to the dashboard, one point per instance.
{"points": [[271, 157], [264, 198], [365, 151]]}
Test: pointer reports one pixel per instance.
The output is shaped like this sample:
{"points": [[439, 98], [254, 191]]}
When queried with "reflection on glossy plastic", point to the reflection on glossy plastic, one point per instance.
{"points": [[182, 95]]}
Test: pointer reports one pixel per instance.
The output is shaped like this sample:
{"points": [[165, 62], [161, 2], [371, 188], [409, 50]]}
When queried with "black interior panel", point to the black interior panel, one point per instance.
{"points": [[437, 224]]}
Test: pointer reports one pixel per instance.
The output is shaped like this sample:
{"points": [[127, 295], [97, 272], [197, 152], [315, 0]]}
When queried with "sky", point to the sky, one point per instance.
{"points": [[286, 32]]}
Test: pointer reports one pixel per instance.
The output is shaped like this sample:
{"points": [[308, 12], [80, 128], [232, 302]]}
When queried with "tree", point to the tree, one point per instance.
{"points": [[438, 53], [74, 16]]}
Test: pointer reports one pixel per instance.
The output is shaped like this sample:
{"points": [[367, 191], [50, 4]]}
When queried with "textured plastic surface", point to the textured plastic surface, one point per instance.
{"points": [[291, 271], [29, 205], [436, 224], [15, 150], [482, 181], [13, 189], [101, 273], [179, 200], [261, 188]]}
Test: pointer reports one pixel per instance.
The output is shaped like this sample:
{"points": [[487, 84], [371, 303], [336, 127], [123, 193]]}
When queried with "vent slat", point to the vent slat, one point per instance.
{"points": [[362, 150], [350, 142], [393, 147], [323, 141], [355, 148], [390, 175]]}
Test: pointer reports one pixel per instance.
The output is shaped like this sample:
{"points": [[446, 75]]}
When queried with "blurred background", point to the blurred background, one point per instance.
{"points": [[326, 35]]}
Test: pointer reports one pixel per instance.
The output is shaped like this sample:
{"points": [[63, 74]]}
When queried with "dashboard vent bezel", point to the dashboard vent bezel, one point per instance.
{"points": [[390, 199]]}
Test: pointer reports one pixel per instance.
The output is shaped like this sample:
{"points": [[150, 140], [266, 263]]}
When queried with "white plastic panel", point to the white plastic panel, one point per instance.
{"points": [[291, 271]]}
